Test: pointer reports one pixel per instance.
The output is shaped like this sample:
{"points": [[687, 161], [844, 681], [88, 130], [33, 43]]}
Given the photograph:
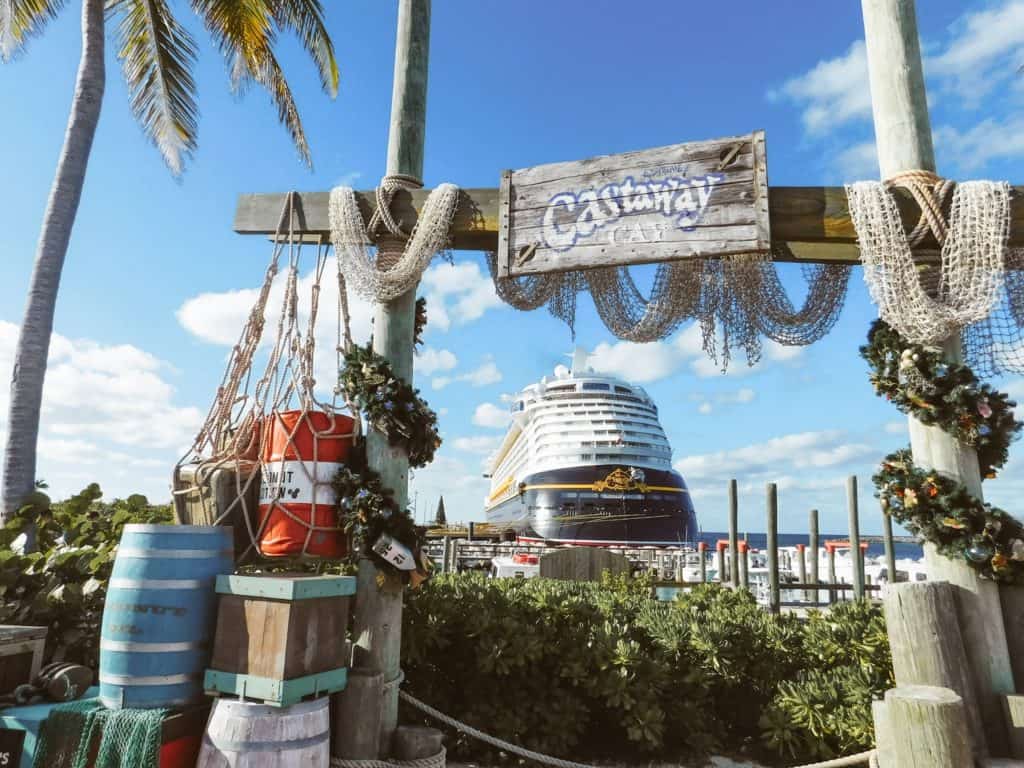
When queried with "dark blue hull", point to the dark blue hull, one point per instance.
{"points": [[599, 505]]}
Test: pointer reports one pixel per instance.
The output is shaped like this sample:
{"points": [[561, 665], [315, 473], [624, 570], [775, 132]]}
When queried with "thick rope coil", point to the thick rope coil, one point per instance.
{"points": [[435, 761], [931, 193], [385, 193]]}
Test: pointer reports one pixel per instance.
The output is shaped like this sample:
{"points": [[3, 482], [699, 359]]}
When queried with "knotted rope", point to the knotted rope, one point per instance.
{"points": [[931, 193], [385, 193]]}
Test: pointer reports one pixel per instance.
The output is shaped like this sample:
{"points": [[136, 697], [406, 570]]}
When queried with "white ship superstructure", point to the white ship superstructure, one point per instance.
{"points": [[586, 456]]}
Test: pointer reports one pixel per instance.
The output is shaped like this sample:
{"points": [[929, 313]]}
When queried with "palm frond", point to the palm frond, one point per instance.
{"points": [[21, 19], [157, 55], [245, 31], [306, 19]]}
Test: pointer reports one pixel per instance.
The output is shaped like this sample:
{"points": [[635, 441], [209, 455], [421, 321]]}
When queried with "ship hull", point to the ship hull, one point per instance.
{"points": [[594, 505]]}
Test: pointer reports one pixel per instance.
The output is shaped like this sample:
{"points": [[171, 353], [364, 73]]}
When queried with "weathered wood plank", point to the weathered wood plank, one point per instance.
{"points": [[678, 201], [582, 564], [815, 221]]}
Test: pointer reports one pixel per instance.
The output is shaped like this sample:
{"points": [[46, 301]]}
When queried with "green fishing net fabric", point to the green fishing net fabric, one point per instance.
{"points": [[123, 738]]}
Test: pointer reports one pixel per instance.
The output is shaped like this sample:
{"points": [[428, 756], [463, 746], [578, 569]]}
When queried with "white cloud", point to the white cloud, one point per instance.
{"points": [[430, 360], [640, 363], [833, 92], [457, 294], [109, 408], [705, 408], [484, 445], [771, 352], [858, 161], [219, 318], [487, 373], [801, 450], [986, 50], [987, 141], [897, 427], [490, 415], [462, 487]]}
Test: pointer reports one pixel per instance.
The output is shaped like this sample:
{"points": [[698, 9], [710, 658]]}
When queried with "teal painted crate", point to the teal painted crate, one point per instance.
{"points": [[289, 588], [277, 693]]}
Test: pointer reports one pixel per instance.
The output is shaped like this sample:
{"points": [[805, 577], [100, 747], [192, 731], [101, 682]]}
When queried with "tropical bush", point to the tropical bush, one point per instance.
{"points": [[602, 671], [62, 582]]}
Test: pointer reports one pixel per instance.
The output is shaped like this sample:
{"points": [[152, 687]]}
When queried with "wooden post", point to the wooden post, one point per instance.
{"points": [[930, 728], [802, 571], [923, 610], [883, 734], [856, 558], [470, 530], [1011, 598], [720, 562], [734, 555], [831, 572], [773, 549], [890, 547], [815, 550], [446, 557], [702, 553], [355, 717], [904, 140], [378, 621], [745, 567], [417, 742]]}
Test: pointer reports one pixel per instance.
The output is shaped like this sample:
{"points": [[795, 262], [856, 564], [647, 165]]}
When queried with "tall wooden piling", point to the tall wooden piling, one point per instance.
{"points": [[734, 555], [720, 561], [802, 572], [904, 143], [831, 550], [745, 566], [890, 546], [856, 556], [774, 599], [702, 552], [446, 557], [814, 546]]}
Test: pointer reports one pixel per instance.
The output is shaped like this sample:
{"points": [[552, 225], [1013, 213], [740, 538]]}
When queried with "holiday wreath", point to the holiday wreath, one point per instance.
{"points": [[941, 510]]}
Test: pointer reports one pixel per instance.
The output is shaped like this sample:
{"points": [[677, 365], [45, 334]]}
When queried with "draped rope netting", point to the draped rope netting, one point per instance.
{"points": [[239, 429], [736, 299], [977, 288]]}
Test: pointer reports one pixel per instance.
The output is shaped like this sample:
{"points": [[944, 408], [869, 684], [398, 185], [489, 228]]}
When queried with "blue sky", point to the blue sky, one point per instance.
{"points": [[156, 284]]}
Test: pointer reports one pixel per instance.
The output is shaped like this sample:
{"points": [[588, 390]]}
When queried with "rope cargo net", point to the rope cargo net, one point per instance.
{"points": [[238, 432]]}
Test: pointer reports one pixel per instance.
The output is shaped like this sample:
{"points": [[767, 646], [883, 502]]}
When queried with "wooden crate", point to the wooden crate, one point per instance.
{"points": [[205, 502], [281, 637], [21, 655]]}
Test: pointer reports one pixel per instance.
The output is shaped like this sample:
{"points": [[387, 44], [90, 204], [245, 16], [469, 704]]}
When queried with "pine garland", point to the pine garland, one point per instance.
{"points": [[947, 395], [392, 406], [944, 512], [420, 321], [941, 510], [367, 511]]}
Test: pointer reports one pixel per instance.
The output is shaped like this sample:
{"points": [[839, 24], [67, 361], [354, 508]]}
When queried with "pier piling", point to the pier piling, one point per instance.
{"points": [[773, 549]]}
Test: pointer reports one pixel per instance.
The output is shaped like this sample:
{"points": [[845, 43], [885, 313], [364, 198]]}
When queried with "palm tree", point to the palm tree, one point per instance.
{"points": [[157, 56]]}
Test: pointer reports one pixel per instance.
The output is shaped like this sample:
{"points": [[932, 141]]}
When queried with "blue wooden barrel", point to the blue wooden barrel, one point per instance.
{"points": [[160, 614]]}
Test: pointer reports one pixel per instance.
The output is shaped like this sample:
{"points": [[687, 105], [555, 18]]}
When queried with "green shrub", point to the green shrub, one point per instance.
{"points": [[63, 583], [604, 671], [826, 710]]}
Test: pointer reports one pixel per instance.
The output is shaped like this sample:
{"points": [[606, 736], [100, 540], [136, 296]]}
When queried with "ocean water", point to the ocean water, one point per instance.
{"points": [[760, 541]]}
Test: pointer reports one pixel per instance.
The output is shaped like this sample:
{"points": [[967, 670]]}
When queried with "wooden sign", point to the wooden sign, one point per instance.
{"points": [[705, 198]]}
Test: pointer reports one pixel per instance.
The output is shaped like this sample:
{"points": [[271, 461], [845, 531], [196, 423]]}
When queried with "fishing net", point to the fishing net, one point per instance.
{"points": [[995, 346], [121, 738], [970, 276], [738, 300]]}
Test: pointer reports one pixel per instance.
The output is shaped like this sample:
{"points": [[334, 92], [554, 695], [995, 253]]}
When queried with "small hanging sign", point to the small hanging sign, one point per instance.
{"points": [[704, 198]]}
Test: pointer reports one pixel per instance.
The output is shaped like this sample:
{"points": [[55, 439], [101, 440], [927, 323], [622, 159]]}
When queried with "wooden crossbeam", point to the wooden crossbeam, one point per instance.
{"points": [[814, 221]]}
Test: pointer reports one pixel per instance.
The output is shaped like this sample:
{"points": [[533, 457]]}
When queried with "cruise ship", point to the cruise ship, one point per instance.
{"points": [[586, 461]]}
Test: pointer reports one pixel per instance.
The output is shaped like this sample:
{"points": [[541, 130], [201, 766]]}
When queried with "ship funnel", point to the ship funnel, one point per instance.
{"points": [[579, 361]]}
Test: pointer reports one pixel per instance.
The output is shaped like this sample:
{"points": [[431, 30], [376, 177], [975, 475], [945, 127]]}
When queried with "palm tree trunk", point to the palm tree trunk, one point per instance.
{"points": [[34, 337]]}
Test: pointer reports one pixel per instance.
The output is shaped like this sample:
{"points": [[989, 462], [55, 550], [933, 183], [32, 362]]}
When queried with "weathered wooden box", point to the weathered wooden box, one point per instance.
{"points": [[280, 638], [21, 655], [213, 496]]}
